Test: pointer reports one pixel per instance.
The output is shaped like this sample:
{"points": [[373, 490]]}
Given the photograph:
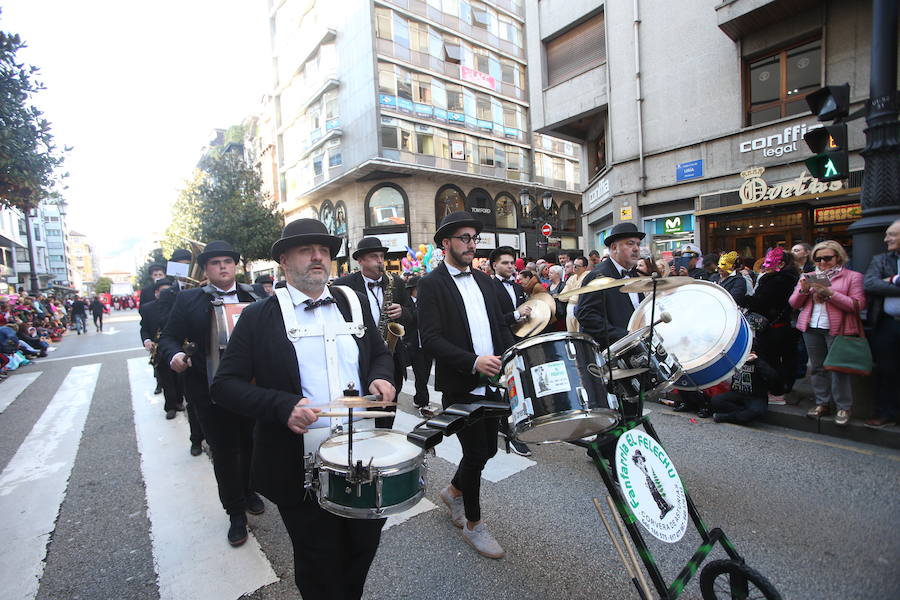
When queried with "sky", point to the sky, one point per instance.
{"points": [[136, 88]]}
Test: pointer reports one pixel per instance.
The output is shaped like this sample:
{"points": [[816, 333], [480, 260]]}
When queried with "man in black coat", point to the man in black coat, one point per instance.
{"points": [[262, 377], [374, 284], [153, 319], [462, 327], [228, 434], [420, 360], [148, 292], [604, 315]]}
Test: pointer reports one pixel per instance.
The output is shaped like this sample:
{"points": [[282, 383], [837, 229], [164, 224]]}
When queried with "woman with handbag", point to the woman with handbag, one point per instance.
{"points": [[829, 300]]}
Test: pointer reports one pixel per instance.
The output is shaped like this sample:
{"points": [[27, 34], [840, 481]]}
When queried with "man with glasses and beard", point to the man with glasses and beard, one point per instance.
{"points": [[462, 327]]}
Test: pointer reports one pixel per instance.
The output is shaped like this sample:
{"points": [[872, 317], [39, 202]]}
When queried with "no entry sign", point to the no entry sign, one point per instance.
{"points": [[547, 230]]}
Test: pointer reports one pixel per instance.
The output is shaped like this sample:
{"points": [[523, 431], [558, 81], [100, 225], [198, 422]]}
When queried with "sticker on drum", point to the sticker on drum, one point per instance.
{"points": [[651, 486], [550, 378]]}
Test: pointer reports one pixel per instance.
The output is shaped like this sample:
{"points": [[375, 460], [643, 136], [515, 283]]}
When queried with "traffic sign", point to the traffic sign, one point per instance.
{"points": [[547, 230]]}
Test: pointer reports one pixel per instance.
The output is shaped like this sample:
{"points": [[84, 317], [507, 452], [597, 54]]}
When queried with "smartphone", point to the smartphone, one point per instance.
{"points": [[819, 279], [681, 261]]}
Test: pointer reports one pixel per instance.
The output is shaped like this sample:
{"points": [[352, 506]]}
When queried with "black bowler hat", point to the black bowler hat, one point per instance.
{"points": [[264, 279], [217, 248], [455, 221], [366, 245], [155, 266], [181, 254], [413, 281], [623, 230], [161, 282], [305, 231]]}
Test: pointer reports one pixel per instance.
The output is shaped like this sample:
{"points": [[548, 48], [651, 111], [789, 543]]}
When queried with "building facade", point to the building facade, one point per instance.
{"points": [[12, 239], [83, 260], [389, 114], [705, 144]]}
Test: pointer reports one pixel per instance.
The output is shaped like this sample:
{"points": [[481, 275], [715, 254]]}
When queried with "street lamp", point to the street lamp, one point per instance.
{"points": [[526, 200]]}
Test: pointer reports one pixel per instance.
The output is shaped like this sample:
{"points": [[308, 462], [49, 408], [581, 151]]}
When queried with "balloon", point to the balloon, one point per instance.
{"points": [[405, 262], [429, 252], [419, 255], [422, 248]]}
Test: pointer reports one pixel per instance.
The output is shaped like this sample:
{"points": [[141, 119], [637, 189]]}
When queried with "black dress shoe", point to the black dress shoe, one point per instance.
{"points": [[704, 413], [196, 449], [180, 407], [255, 504], [157, 391], [170, 414], [681, 407], [237, 533]]}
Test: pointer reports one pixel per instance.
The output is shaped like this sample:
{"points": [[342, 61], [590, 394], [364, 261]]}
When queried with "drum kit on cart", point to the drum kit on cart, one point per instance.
{"points": [[563, 387]]}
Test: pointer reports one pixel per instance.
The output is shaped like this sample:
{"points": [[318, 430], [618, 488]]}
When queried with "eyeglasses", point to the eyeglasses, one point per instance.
{"points": [[824, 258], [466, 238]]}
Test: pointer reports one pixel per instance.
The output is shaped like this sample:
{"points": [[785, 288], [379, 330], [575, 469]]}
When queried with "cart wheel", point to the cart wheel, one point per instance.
{"points": [[733, 580]]}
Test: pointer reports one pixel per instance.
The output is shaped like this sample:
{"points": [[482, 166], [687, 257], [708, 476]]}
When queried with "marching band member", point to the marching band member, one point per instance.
{"points": [[279, 362], [228, 435], [462, 327], [420, 360], [153, 318], [386, 298]]}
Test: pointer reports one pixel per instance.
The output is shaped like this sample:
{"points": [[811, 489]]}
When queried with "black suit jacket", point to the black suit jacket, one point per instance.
{"points": [[604, 315], [259, 377], [445, 328], [506, 305], [150, 321], [190, 320], [148, 294]]}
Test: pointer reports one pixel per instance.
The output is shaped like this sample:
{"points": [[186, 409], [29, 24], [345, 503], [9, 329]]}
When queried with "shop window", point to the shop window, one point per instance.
{"points": [[386, 206], [340, 218], [568, 217], [480, 204], [447, 200], [576, 51], [777, 84], [506, 212], [326, 214]]}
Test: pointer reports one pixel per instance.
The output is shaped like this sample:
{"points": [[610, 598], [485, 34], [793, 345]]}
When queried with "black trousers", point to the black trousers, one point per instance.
{"points": [[479, 445], [421, 366], [778, 347], [332, 554], [885, 343], [197, 436], [98, 321], [230, 438], [740, 408], [171, 386]]}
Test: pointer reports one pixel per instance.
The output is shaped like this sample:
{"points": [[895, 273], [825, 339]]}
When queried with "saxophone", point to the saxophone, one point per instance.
{"points": [[390, 331]]}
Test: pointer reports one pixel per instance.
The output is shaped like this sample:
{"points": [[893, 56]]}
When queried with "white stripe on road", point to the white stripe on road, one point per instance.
{"points": [[190, 551], [423, 506], [14, 386], [500, 467], [49, 360], [33, 485]]}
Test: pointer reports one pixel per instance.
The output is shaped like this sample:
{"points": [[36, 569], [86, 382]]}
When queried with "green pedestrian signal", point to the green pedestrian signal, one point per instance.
{"points": [[829, 142]]}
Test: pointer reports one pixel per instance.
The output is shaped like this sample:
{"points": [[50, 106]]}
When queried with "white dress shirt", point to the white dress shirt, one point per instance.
{"points": [[511, 291], [624, 272], [376, 298], [476, 314], [311, 352], [230, 298]]}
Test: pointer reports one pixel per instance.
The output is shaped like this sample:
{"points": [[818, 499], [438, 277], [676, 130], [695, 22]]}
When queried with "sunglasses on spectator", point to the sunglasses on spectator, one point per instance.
{"points": [[824, 258]]}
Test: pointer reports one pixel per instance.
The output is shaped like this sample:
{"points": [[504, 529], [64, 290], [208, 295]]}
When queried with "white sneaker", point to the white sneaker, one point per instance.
{"points": [[457, 509], [776, 400], [483, 542]]}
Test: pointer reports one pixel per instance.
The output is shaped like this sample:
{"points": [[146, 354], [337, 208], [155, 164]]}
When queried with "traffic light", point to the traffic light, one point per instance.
{"points": [[829, 142]]}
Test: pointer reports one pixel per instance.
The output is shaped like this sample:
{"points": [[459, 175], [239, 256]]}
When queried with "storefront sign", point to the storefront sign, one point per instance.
{"points": [[778, 143], [395, 242], [488, 241], [598, 194], [477, 77], [689, 170], [481, 205], [508, 239], [673, 225], [625, 213], [836, 214], [755, 188]]}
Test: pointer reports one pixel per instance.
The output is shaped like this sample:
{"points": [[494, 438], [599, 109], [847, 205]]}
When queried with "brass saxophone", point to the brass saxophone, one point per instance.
{"points": [[390, 331]]}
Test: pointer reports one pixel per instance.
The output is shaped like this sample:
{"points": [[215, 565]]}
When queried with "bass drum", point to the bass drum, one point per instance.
{"points": [[708, 335]]}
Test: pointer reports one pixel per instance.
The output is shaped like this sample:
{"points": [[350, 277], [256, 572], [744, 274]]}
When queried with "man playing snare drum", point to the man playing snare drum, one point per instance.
{"points": [[273, 373]]}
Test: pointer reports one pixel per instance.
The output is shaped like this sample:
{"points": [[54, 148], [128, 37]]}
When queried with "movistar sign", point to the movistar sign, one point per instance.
{"points": [[675, 224]]}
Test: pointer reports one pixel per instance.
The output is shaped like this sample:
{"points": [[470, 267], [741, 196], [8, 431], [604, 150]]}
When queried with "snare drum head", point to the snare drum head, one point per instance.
{"points": [[705, 322], [384, 447]]}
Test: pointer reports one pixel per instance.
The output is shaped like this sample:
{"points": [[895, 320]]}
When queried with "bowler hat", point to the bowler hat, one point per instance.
{"points": [[413, 281], [454, 221], [181, 254], [623, 230], [155, 266], [161, 282], [302, 232], [264, 279], [217, 248], [368, 244]]}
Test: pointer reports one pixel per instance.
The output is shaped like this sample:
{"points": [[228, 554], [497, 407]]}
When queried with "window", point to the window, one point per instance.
{"points": [[401, 31], [418, 34], [568, 217], [481, 60], [422, 89], [389, 136], [452, 53], [404, 84], [387, 80], [483, 107], [513, 158], [425, 143], [579, 49], [486, 154], [454, 97], [777, 84], [334, 158], [506, 212], [386, 206], [317, 165], [447, 200], [406, 137]]}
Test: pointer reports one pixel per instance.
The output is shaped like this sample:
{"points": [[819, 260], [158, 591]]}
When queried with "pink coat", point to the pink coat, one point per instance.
{"points": [[847, 286]]}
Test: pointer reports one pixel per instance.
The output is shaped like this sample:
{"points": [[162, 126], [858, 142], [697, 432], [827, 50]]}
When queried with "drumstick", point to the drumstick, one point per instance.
{"points": [[615, 541], [361, 404], [640, 572], [362, 414]]}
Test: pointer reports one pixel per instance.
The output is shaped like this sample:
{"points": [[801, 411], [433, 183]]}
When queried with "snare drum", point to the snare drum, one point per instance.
{"points": [[708, 334], [553, 396], [635, 351], [394, 481]]}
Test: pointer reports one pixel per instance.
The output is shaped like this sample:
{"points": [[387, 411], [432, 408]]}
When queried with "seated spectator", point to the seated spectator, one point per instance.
{"points": [[748, 398]]}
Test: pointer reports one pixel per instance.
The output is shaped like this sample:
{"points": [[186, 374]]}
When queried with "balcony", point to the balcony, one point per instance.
{"points": [[738, 18]]}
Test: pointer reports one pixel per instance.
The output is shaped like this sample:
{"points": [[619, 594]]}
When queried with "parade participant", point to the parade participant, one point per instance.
{"points": [[180, 255], [148, 292], [97, 309], [579, 272], [421, 361], [605, 314], [882, 284], [462, 327], [386, 298], [265, 285], [228, 434], [266, 376], [153, 319], [730, 278]]}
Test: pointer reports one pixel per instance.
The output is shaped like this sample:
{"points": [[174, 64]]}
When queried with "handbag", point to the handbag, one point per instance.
{"points": [[756, 321], [850, 353]]}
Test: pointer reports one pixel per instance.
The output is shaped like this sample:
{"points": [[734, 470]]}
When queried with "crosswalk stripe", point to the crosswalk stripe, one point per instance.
{"points": [[190, 552], [14, 386], [33, 485], [423, 506]]}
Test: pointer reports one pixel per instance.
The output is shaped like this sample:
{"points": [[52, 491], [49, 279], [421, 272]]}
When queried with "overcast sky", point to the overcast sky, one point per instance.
{"points": [[136, 88]]}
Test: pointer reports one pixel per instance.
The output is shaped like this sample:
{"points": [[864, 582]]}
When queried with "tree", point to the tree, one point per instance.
{"points": [[224, 201], [143, 276], [103, 285]]}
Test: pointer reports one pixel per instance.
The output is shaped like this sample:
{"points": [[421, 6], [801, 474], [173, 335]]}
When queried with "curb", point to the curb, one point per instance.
{"points": [[794, 417]]}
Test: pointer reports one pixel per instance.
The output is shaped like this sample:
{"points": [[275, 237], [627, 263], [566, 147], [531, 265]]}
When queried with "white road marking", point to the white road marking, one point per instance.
{"points": [[112, 331], [50, 360], [190, 552], [500, 467], [33, 485], [14, 386], [423, 506]]}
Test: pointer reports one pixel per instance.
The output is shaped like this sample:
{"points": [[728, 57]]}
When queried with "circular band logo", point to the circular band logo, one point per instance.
{"points": [[651, 486]]}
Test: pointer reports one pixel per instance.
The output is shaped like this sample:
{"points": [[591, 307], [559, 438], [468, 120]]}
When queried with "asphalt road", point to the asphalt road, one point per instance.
{"points": [[89, 502]]}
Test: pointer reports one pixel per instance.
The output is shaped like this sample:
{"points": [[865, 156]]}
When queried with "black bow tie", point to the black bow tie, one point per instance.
{"points": [[632, 273], [314, 304], [508, 281], [231, 293], [463, 273], [375, 284]]}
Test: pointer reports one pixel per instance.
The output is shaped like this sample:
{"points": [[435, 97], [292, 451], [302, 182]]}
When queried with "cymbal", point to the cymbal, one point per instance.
{"points": [[536, 321], [644, 285], [544, 295], [594, 285]]}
